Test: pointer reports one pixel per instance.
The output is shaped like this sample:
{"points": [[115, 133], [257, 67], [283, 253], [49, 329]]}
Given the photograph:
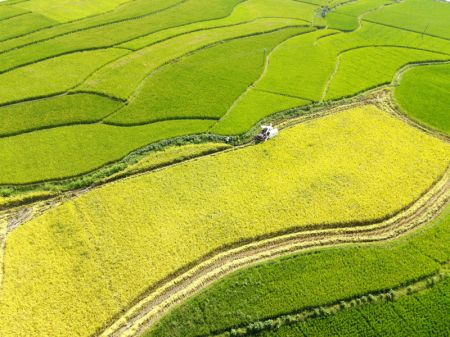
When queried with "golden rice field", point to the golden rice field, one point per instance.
{"points": [[70, 270]]}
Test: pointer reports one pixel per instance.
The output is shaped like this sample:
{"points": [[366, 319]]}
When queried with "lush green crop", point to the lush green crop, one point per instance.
{"points": [[251, 107], [347, 17], [311, 280], [121, 78], [172, 155], [132, 9], [116, 33], [52, 76], [68, 10], [7, 12], [244, 12], [203, 85], [23, 24], [347, 81], [423, 94], [73, 150], [342, 168], [421, 16], [423, 314], [56, 111]]}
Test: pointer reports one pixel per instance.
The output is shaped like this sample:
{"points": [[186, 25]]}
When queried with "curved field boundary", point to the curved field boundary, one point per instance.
{"points": [[408, 30], [345, 51], [72, 89], [160, 300], [400, 291], [261, 76], [87, 28], [138, 88], [112, 45]]}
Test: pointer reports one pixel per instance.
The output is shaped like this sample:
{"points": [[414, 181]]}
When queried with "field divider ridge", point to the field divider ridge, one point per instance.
{"points": [[405, 289], [173, 291]]}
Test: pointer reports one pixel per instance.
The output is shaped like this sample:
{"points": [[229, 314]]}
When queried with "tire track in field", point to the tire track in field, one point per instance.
{"points": [[162, 299]]}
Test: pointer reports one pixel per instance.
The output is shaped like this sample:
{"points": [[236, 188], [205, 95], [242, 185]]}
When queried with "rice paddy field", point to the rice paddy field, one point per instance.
{"points": [[136, 201]]}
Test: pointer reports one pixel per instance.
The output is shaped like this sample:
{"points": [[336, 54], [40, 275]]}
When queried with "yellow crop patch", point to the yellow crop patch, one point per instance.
{"points": [[70, 270]]}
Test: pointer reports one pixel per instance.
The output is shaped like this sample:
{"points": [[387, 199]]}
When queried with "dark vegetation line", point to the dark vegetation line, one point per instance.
{"points": [[162, 119], [390, 46], [12, 17], [97, 93], [52, 57], [406, 29], [60, 93], [26, 99], [282, 94], [386, 295], [54, 24], [90, 178]]}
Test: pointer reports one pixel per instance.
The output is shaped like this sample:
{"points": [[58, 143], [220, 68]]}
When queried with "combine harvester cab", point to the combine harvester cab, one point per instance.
{"points": [[267, 132]]}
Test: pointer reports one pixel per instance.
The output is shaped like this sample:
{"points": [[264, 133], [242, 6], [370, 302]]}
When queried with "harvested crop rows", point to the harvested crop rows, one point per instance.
{"points": [[135, 199]]}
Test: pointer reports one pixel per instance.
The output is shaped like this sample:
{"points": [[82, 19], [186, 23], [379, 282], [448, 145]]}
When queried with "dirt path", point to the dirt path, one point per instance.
{"points": [[157, 303]]}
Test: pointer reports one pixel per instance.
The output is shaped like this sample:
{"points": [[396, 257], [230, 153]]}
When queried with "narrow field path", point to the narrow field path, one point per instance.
{"points": [[161, 300]]}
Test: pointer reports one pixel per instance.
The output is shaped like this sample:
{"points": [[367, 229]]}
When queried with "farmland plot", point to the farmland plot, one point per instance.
{"points": [[423, 94], [345, 167], [422, 314], [130, 123]]}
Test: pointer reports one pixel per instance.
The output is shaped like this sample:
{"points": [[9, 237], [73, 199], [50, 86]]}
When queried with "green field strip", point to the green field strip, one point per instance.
{"points": [[285, 76], [423, 94], [204, 84], [243, 12], [414, 15], [69, 151], [348, 17], [332, 319], [22, 24], [53, 76], [7, 12], [406, 30], [123, 77], [108, 121], [70, 10], [253, 106], [91, 23], [52, 112], [114, 34], [405, 316], [352, 63], [304, 281], [348, 163]]}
